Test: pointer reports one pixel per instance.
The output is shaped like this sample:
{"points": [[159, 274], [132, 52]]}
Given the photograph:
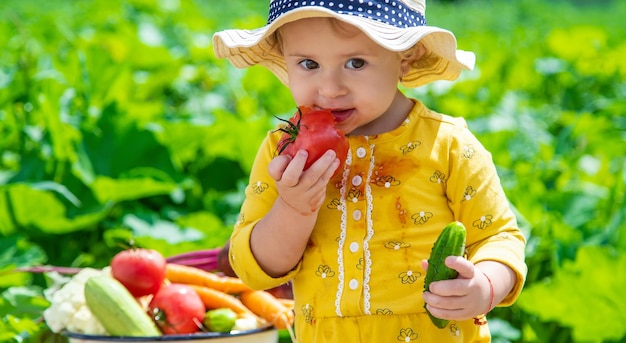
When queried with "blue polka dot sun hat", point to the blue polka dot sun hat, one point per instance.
{"points": [[396, 25]]}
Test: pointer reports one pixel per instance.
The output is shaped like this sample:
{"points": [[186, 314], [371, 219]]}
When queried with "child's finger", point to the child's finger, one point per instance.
{"points": [[465, 268], [330, 171], [293, 171], [323, 163], [277, 166]]}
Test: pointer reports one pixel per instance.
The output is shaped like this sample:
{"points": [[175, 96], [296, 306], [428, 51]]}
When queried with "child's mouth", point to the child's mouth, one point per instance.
{"points": [[341, 115]]}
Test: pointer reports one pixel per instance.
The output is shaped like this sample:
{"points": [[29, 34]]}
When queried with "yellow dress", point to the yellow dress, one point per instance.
{"points": [[360, 279]]}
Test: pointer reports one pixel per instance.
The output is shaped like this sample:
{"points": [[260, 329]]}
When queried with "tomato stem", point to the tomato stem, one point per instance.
{"points": [[290, 129]]}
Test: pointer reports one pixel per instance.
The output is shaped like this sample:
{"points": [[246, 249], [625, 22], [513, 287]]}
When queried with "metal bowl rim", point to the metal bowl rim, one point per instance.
{"points": [[165, 338]]}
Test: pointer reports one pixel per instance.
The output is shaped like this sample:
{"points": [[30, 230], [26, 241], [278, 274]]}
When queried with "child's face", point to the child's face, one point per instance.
{"points": [[333, 65]]}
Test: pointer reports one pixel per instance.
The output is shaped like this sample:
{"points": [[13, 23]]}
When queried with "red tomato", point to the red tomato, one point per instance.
{"points": [[177, 309], [141, 271], [314, 131]]}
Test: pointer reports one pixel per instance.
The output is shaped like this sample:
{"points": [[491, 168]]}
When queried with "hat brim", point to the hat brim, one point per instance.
{"points": [[244, 48]]}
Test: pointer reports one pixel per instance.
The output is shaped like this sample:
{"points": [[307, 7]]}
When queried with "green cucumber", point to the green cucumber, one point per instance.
{"points": [[451, 242], [116, 309]]}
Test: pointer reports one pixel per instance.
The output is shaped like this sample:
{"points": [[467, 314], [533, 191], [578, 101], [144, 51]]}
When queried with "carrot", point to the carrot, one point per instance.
{"points": [[288, 303], [214, 299], [268, 307], [178, 273]]}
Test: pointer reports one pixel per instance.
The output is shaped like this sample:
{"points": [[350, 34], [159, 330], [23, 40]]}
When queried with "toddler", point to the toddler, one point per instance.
{"points": [[355, 243]]}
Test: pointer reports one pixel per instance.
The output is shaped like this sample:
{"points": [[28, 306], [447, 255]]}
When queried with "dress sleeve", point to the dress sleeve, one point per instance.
{"points": [[477, 199], [260, 194]]}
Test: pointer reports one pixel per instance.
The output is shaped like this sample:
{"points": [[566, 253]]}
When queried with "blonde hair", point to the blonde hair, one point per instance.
{"points": [[414, 54]]}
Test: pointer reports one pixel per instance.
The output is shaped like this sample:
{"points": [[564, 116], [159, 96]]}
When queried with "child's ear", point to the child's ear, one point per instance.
{"points": [[409, 58]]}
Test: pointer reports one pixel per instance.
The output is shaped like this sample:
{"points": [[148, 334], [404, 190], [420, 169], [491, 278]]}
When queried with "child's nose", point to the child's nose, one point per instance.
{"points": [[332, 86]]}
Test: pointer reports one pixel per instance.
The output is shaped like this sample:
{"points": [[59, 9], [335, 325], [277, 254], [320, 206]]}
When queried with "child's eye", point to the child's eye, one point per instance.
{"points": [[355, 63], [309, 64]]}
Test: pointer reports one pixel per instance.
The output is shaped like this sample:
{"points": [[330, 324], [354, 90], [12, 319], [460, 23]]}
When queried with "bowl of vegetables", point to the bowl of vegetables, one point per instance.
{"points": [[143, 297], [267, 334]]}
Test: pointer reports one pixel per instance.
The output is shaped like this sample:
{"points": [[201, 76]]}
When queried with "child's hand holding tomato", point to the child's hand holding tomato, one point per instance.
{"points": [[310, 152], [303, 190]]}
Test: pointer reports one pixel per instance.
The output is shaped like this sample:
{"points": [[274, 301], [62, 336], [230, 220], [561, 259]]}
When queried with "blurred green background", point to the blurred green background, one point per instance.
{"points": [[116, 120]]}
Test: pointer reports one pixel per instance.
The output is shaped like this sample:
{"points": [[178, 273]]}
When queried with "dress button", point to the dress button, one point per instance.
{"points": [[354, 283], [361, 152], [354, 246], [356, 180], [356, 215]]}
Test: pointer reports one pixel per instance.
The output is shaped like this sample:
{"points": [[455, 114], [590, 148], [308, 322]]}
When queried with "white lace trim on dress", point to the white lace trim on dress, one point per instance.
{"points": [[342, 234], [370, 232]]}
